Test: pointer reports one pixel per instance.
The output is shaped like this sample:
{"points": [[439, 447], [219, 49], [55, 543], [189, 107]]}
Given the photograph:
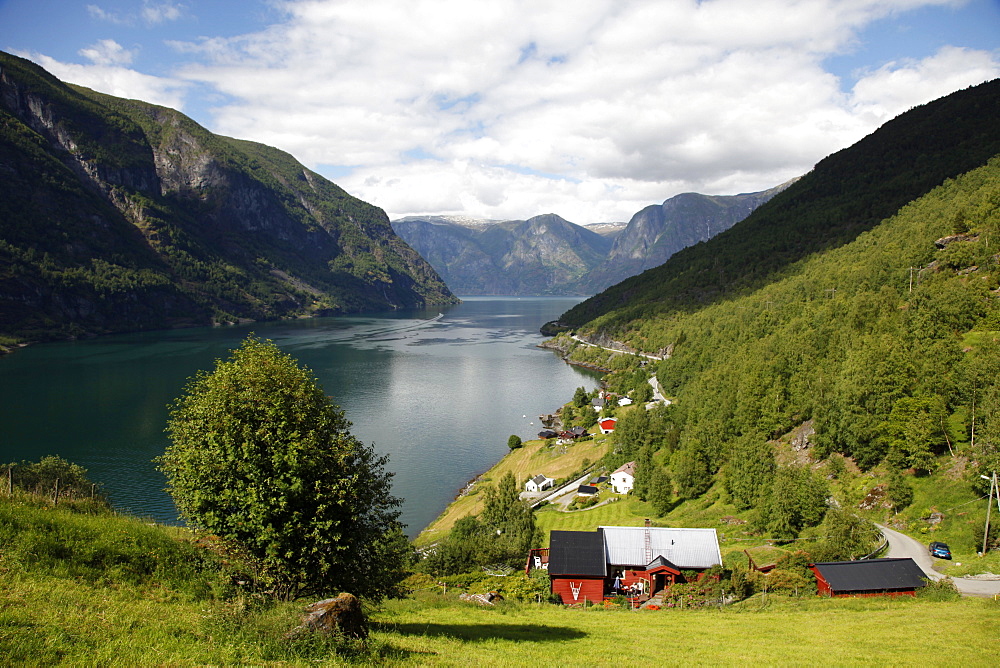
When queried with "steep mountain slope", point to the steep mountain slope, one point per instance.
{"points": [[883, 347], [549, 255], [118, 215], [659, 231], [541, 255], [844, 195]]}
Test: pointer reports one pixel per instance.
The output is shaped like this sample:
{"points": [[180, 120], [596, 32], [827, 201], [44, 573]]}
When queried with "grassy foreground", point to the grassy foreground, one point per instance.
{"points": [[80, 588], [53, 623], [809, 631]]}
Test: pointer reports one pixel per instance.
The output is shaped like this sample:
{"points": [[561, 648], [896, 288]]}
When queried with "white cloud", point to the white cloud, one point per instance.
{"points": [[156, 13], [898, 86], [108, 17], [151, 14], [118, 81], [517, 107], [107, 52]]}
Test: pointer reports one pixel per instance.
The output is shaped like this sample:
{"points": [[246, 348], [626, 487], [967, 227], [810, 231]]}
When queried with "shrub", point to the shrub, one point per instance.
{"points": [[942, 590]]}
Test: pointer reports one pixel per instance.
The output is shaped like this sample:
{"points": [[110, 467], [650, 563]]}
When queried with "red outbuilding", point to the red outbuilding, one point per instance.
{"points": [[869, 577]]}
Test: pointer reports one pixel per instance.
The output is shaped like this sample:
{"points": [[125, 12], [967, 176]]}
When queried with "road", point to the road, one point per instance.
{"points": [[901, 545]]}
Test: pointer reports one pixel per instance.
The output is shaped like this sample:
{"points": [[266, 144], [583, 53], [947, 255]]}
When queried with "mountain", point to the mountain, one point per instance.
{"points": [[120, 215], [609, 230], [659, 231], [541, 255], [549, 255], [844, 195], [854, 318]]}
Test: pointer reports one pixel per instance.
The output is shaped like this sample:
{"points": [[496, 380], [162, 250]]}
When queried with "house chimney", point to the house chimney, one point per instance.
{"points": [[648, 523]]}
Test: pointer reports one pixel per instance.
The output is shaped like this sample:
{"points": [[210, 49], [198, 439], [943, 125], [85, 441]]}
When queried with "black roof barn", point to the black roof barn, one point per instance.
{"points": [[577, 553], [869, 576]]}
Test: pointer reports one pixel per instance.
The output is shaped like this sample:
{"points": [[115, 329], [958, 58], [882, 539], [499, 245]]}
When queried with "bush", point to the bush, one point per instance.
{"points": [[42, 476], [942, 590]]}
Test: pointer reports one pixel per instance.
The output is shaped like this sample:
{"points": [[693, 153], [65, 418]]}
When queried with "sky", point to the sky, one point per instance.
{"points": [[507, 109]]}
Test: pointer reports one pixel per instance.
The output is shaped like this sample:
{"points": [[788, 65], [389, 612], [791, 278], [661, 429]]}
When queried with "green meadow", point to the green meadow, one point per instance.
{"points": [[83, 587]]}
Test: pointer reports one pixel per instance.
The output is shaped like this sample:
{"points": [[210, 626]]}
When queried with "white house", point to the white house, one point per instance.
{"points": [[623, 479], [538, 483], [607, 424]]}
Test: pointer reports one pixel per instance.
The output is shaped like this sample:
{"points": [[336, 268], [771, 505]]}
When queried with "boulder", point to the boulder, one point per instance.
{"points": [[341, 615]]}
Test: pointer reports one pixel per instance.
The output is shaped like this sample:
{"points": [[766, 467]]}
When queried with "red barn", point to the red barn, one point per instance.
{"points": [[577, 566], [637, 561], [869, 577]]}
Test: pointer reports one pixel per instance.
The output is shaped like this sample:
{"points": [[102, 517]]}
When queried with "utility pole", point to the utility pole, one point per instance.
{"points": [[989, 507]]}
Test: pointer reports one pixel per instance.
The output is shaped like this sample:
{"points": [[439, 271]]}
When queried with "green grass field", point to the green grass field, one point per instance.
{"points": [[82, 588], [792, 632]]}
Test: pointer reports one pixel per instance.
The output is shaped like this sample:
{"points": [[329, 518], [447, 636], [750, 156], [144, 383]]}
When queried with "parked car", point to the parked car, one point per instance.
{"points": [[940, 550]]}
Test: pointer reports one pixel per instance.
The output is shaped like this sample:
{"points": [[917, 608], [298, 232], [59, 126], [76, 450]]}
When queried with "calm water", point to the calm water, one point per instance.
{"points": [[440, 396]]}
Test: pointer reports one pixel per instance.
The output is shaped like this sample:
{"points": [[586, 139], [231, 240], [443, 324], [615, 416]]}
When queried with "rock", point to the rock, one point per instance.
{"points": [[482, 599], [340, 615]]}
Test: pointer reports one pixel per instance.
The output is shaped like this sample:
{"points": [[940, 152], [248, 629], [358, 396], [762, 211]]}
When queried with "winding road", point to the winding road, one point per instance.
{"points": [[901, 545]]}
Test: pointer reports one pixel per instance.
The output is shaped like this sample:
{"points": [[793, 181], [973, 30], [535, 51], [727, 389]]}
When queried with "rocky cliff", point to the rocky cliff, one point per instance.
{"points": [[119, 215], [538, 256], [549, 255]]}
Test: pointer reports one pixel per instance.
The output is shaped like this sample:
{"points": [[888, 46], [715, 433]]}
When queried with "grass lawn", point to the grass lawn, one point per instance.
{"points": [[811, 631], [626, 511]]}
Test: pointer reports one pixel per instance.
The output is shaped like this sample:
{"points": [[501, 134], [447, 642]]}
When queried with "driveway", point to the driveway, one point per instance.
{"points": [[901, 545]]}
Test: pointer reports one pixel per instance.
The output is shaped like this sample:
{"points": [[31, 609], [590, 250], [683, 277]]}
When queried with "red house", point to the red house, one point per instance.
{"points": [[635, 561], [607, 424], [869, 577]]}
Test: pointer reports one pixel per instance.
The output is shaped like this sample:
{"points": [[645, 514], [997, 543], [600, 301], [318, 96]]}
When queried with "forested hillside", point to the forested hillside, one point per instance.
{"points": [[875, 339], [120, 215], [845, 194]]}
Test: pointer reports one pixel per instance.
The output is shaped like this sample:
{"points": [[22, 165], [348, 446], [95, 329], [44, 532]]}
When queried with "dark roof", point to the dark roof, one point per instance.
{"points": [[597, 480], [577, 553], [872, 574], [660, 562], [586, 489]]}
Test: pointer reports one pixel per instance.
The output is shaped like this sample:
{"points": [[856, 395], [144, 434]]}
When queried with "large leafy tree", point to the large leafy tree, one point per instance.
{"points": [[261, 457]]}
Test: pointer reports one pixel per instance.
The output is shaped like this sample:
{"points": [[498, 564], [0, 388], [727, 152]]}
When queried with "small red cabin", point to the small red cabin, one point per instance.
{"points": [[869, 577]]}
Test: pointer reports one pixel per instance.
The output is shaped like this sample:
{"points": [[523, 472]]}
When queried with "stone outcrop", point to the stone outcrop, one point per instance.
{"points": [[341, 615]]}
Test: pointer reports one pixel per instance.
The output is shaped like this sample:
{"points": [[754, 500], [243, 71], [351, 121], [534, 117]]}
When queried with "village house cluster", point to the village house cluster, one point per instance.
{"points": [[641, 563]]}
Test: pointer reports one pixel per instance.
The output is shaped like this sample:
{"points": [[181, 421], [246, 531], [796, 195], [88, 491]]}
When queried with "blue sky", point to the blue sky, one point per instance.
{"points": [[515, 108]]}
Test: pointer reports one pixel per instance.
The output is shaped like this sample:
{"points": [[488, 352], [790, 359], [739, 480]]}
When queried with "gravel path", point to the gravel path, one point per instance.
{"points": [[901, 545]]}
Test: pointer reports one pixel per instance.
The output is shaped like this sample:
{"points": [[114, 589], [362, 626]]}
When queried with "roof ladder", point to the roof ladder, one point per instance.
{"points": [[649, 546]]}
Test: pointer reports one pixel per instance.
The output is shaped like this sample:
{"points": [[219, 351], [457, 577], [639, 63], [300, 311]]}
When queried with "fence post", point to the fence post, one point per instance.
{"points": [[55, 498], [10, 480]]}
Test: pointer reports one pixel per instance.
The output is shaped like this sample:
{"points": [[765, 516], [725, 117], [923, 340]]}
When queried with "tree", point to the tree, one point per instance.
{"points": [[750, 471], [514, 442], [847, 537], [262, 458], [43, 476], [510, 521], [661, 491], [914, 432], [898, 491], [581, 398]]}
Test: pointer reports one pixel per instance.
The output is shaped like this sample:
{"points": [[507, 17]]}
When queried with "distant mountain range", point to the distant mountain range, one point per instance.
{"points": [[120, 215], [548, 255]]}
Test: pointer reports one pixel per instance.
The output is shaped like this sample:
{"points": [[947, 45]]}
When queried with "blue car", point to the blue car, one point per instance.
{"points": [[940, 550]]}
